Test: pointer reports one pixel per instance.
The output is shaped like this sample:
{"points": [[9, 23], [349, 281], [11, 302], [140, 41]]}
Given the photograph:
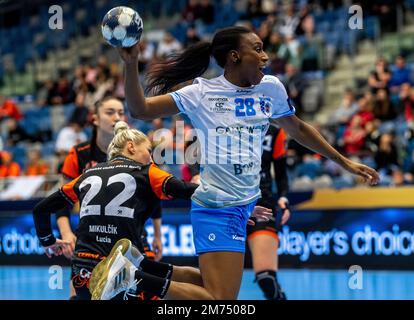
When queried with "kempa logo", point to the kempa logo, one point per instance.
{"points": [[211, 237], [238, 238]]}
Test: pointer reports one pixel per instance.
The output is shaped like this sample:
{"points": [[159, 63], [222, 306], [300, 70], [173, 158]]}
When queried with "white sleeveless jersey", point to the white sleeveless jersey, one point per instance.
{"points": [[231, 123]]}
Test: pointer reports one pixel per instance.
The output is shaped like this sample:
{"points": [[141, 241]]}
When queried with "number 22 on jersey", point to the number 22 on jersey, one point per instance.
{"points": [[113, 208]]}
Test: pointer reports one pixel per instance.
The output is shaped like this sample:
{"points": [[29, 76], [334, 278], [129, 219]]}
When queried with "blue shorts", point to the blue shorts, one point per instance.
{"points": [[220, 229]]}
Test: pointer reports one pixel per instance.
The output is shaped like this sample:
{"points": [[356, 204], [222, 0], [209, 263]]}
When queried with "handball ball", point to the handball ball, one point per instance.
{"points": [[122, 27]]}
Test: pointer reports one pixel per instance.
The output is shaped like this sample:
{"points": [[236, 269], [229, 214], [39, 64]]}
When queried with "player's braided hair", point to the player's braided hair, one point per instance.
{"points": [[194, 61], [123, 134]]}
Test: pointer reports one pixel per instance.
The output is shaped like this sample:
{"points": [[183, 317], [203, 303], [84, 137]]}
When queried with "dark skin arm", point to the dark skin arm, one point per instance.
{"points": [[309, 137], [139, 106]]}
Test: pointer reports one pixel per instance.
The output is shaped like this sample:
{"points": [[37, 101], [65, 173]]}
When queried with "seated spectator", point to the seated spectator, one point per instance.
{"points": [[253, 10], [277, 63], [167, 46], [380, 77], [400, 75], [354, 137], [69, 136], [9, 109], [64, 91], [346, 110], [35, 166], [8, 168], [387, 155], [146, 54], [405, 108], [157, 124], [383, 109], [15, 133], [191, 36], [400, 179], [191, 11], [364, 111], [207, 13]]}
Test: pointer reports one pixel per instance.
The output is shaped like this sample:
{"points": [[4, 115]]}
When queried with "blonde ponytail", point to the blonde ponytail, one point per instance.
{"points": [[123, 134]]}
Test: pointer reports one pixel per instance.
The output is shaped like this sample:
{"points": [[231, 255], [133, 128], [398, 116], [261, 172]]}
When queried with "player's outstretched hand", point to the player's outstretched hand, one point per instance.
{"points": [[261, 213], [129, 55], [368, 174], [56, 248]]}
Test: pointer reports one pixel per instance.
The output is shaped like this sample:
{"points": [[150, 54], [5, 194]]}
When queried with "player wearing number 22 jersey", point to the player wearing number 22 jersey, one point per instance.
{"points": [[116, 198]]}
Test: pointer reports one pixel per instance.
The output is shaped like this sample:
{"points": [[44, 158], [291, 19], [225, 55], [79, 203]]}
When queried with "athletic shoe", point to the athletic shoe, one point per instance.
{"points": [[127, 249], [117, 276]]}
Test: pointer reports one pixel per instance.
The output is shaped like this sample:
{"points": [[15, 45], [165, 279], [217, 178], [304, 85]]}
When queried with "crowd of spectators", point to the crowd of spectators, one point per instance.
{"points": [[375, 125]]}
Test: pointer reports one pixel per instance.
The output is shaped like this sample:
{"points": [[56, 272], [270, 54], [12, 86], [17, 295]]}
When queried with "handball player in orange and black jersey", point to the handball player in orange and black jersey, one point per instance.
{"points": [[116, 198], [262, 237], [108, 112]]}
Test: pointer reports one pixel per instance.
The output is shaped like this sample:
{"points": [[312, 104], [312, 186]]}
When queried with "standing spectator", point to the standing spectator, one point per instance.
{"points": [[290, 21], [295, 84], [290, 50], [35, 166], [380, 77], [400, 75], [167, 46], [8, 168], [9, 109]]}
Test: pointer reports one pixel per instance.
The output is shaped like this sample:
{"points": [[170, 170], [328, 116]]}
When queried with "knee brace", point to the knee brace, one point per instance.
{"points": [[271, 288]]}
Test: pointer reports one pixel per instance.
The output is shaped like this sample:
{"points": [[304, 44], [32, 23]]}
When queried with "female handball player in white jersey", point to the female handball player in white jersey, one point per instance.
{"points": [[231, 114]]}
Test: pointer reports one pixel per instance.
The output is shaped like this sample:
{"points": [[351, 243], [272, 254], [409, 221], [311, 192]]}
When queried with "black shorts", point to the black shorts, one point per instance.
{"points": [[265, 227]]}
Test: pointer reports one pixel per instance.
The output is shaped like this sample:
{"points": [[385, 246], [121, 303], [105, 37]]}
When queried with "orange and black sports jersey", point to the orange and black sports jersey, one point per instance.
{"points": [[81, 157], [274, 154], [274, 145], [116, 198]]}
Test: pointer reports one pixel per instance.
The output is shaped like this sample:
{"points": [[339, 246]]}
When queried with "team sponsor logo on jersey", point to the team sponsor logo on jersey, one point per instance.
{"points": [[241, 129], [219, 105], [244, 169]]}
